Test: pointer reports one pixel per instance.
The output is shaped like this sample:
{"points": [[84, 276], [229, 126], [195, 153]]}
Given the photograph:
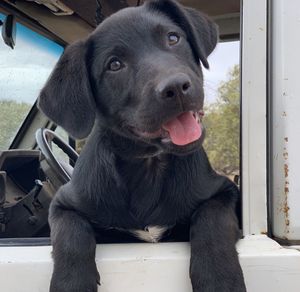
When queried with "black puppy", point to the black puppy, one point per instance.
{"points": [[136, 84]]}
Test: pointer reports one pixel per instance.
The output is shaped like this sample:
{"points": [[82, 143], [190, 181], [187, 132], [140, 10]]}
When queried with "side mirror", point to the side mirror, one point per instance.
{"points": [[9, 30]]}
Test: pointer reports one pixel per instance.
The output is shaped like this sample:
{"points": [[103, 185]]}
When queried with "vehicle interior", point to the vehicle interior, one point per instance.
{"points": [[39, 158]]}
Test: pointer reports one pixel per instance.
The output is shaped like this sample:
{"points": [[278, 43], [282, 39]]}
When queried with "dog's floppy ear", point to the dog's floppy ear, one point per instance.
{"points": [[67, 97], [202, 32]]}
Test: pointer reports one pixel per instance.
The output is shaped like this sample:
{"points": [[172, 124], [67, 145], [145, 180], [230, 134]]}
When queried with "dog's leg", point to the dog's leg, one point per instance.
{"points": [[73, 252], [214, 232]]}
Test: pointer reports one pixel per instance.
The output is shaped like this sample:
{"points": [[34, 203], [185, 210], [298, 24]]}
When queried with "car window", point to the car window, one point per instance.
{"points": [[59, 154], [23, 71], [222, 109]]}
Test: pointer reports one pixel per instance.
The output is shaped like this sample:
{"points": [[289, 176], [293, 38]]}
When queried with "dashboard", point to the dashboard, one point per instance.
{"points": [[25, 195]]}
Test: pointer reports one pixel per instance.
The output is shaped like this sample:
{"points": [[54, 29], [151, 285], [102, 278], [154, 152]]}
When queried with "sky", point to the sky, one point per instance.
{"points": [[24, 70], [221, 60], [35, 56]]}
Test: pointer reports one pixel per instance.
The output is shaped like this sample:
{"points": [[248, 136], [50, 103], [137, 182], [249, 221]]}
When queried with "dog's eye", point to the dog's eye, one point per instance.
{"points": [[173, 38], [115, 65]]}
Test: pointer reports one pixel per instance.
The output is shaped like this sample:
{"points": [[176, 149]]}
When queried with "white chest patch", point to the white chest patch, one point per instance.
{"points": [[150, 233]]}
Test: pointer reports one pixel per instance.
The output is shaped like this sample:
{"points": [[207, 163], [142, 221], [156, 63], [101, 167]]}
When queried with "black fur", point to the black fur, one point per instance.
{"points": [[123, 178]]}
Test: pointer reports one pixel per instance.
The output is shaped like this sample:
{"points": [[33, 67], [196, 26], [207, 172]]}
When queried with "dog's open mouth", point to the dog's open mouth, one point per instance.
{"points": [[181, 130]]}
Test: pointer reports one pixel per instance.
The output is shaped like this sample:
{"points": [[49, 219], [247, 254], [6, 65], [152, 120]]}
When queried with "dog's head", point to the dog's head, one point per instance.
{"points": [[138, 74]]}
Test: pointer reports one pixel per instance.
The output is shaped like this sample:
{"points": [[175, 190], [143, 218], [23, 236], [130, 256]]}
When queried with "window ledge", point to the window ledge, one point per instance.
{"points": [[148, 267]]}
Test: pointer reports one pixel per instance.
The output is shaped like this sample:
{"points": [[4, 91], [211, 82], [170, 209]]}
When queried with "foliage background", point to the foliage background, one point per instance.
{"points": [[222, 123], [11, 116]]}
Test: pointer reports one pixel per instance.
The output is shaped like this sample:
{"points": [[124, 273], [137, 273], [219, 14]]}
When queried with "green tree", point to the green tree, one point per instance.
{"points": [[11, 116], [222, 123]]}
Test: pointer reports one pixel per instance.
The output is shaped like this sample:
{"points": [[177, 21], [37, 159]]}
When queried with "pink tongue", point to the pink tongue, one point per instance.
{"points": [[184, 129]]}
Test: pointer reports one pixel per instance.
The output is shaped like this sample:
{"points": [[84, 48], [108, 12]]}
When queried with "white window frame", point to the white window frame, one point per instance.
{"points": [[285, 121], [254, 38]]}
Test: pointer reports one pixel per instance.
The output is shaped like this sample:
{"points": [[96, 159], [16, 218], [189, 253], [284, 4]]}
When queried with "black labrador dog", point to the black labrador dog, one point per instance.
{"points": [[136, 86]]}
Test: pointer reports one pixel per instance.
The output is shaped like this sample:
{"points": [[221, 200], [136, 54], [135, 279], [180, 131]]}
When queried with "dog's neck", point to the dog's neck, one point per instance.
{"points": [[129, 149]]}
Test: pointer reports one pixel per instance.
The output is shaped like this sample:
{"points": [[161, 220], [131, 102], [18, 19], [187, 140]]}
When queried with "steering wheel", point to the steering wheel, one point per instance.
{"points": [[44, 139]]}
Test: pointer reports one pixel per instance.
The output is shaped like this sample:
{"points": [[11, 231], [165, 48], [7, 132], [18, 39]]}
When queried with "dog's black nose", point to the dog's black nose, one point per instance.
{"points": [[174, 86]]}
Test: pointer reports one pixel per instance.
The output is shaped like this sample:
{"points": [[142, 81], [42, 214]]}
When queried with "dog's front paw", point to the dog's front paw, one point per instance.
{"points": [[73, 285], [218, 286], [75, 281], [225, 289]]}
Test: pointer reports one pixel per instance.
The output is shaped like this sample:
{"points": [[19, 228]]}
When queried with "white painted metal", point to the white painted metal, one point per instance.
{"points": [[285, 45], [153, 267], [254, 123]]}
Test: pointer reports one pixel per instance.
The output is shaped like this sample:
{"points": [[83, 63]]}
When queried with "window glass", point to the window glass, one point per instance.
{"points": [[222, 109], [79, 145], [23, 71], [59, 154]]}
